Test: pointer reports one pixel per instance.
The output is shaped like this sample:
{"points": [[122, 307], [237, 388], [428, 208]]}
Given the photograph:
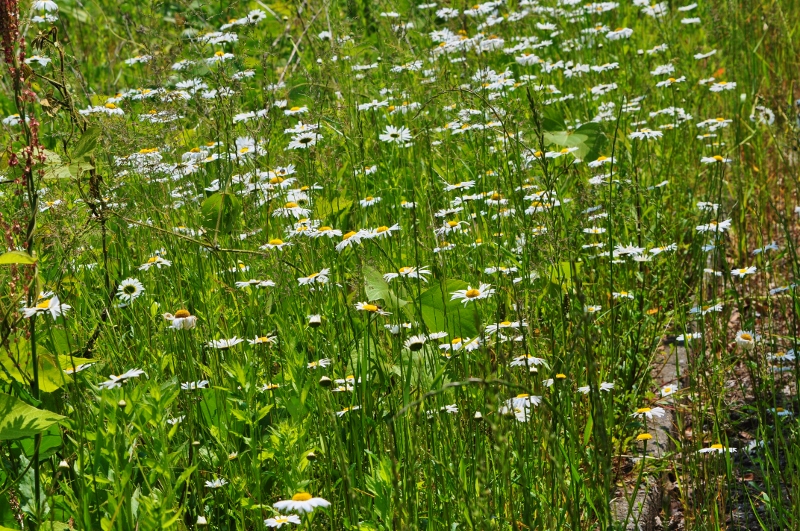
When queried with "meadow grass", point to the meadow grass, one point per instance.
{"points": [[384, 265]]}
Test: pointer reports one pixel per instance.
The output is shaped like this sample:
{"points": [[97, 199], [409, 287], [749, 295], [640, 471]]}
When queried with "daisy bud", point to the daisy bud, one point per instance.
{"points": [[63, 464], [325, 381], [311, 456], [122, 404], [201, 521]]}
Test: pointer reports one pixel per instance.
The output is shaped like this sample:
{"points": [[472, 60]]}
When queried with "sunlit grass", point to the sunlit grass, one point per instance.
{"points": [[397, 266]]}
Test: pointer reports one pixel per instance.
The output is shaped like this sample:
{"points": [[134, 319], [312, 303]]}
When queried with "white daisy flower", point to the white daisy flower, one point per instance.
{"points": [[224, 344], [483, 291], [315, 278], [130, 289], [51, 305], [398, 135]]}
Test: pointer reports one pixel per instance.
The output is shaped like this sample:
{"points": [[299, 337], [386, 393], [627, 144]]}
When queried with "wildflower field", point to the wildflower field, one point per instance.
{"points": [[385, 265]]}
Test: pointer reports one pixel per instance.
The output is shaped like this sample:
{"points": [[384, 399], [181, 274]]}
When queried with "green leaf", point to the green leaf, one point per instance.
{"points": [[588, 138], [16, 257], [185, 475], [441, 313], [57, 172], [377, 288], [219, 211], [18, 419], [324, 208], [87, 142], [18, 365], [587, 431], [552, 120], [561, 275]]}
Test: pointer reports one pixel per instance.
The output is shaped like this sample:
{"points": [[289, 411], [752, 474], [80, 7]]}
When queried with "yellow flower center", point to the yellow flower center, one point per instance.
{"points": [[276, 180], [182, 314], [505, 323], [717, 446], [496, 196], [746, 337], [404, 270], [220, 53], [276, 241], [452, 223], [195, 150], [472, 293], [644, 437], [295, 109], [349, 235], [145, 151], [44, 304], [369, 198], [601, 158], [369, 308], [290, 204], [523, 395], [382, 228], [110, 106], [644, 410], [301, 496], [325, 229], [152, 260], [718, 158], [561, 376]]}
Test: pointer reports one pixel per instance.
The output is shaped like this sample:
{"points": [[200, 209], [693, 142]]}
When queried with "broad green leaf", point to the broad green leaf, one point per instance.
{"points": [[324, 208], [561, 275], [18, 365], [552, 121], [60, 171], [442, 314], [18, 419], [377, 288], [220, 211], [87, 142], [588, 138], [16, 257], [184, 477]]}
